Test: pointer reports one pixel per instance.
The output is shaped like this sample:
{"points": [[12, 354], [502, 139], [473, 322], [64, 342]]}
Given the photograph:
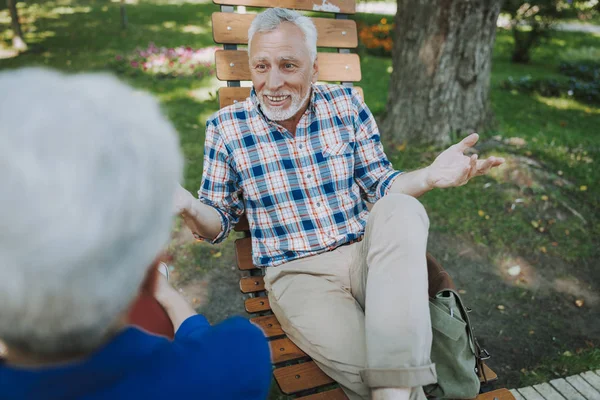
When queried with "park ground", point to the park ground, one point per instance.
{"points": [[521, 244]]}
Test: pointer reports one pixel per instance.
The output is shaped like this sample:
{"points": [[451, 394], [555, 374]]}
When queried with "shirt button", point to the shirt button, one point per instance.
{"points": [[309, 176], [319, 205], [300, 146]]}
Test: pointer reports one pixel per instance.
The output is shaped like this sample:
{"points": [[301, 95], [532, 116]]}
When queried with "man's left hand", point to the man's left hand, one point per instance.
{"points": [[453, 168]]}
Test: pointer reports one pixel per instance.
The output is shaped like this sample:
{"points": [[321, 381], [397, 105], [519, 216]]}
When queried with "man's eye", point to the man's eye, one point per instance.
{"points": [[261, 67], [289, 66]]}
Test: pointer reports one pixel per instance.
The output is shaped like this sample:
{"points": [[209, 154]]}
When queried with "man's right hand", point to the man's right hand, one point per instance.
{"points": [[183, 200]]}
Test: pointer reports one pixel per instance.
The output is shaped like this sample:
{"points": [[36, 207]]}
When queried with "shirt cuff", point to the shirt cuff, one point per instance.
{"points": [[386, 183], [225, 225]]}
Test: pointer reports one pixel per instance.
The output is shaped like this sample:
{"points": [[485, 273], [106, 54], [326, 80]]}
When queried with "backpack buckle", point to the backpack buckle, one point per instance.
{"points": [[484, 355]]}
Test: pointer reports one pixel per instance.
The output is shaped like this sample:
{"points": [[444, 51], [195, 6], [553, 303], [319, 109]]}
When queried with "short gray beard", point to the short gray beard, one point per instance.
{"points": [[279, 114]]}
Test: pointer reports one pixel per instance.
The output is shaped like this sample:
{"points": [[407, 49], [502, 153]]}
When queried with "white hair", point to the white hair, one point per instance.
{"points": [[270, 19], [88, 170]]}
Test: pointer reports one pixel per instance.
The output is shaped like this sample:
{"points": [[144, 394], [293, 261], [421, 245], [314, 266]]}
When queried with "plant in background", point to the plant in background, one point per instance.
{"points": [[532, 21], [377, 39], [163, 62], [583, 81]]}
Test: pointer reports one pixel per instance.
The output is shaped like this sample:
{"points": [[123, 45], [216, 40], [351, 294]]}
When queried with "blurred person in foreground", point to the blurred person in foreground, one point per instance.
{"points": [[88, 171]]}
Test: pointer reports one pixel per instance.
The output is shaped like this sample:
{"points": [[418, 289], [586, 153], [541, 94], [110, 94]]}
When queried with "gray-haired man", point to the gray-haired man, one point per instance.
{"points": [[349, 286]]}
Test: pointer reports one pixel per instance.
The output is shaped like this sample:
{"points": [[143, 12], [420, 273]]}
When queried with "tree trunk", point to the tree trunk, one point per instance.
{"points": [[123, 15], [442, 59], [18, 42]]}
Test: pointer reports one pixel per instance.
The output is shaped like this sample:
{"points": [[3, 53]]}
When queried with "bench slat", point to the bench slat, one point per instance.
{"points": [[333, 6], [285, 350], [232, 65], [252, 284], [229, 95], [499, 394], [231, 28], [335, 394], [269, 325], [257, 304], [299, 377], [243, 254], [242, 224]]}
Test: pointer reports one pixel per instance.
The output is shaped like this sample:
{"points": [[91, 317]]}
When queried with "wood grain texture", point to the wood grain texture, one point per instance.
{"points": [[333, 6], [499, 394], [283, 350], [269, 325], [232, 28], [232, 65], [257, 304], [252, 284], [299, 377], [243, 254], [335, 394]]}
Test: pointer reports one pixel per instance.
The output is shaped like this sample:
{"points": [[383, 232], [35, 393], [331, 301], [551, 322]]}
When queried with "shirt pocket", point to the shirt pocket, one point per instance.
{"points": [[337, 149]]}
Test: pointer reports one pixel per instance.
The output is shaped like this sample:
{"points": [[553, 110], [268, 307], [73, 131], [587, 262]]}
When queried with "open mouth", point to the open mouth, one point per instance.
{"points": [[276, 100]]}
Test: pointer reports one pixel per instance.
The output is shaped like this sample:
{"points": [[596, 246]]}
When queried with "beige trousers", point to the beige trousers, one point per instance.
{"points": [[361, 311]]}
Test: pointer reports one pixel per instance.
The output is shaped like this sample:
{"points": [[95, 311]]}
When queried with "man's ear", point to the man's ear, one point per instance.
{"points": [[315, 76]]}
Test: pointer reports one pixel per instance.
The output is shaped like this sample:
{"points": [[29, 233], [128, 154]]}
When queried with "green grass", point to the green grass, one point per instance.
{"points": [[562, 136], [564, 364]]}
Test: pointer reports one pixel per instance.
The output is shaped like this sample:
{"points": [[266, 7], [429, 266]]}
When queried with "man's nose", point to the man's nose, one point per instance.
{"points": [[274, 80]]}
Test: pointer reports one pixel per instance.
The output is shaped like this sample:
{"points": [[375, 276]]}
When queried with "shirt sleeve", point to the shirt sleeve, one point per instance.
{"points": [[233, 359], [372, 170], [220, 187]]}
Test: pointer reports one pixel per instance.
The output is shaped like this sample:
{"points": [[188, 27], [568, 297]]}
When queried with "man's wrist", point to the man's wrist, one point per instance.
{"points": [[428, 181]]}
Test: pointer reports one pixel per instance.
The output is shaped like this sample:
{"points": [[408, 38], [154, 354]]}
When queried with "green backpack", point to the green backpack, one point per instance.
{"points": [[457, 356]]}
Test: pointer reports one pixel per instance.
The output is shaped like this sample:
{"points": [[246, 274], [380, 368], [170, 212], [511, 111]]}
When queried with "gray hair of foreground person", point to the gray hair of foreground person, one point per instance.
{"points": [[270, 19], [88, 170]]}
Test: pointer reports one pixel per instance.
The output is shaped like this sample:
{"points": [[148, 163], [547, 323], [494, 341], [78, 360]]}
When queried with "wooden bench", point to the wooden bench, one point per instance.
{"points": [[295, 373]]}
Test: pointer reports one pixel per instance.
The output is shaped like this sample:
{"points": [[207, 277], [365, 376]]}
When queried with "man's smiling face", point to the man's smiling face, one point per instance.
{"points": [[282, 71]]}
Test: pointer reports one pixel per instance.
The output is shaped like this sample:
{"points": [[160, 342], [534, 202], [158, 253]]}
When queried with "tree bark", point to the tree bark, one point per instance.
{"points": [[442, 58], [18, 42]]}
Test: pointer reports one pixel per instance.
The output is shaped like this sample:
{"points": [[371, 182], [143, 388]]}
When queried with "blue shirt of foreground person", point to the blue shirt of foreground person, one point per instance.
{"points": [[92, 168]]}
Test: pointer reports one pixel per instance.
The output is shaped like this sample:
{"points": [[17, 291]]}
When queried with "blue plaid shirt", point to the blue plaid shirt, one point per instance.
{"points": [[303, 194]]}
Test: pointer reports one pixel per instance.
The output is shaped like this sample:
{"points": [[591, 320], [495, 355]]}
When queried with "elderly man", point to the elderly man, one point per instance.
{"points": [[88, 170], [349, 286]]}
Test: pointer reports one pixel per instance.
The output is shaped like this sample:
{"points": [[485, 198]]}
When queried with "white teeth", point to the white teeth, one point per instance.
{"points": [[276, 98]]}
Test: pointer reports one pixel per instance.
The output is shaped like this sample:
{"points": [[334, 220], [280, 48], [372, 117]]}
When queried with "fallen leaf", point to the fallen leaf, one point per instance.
{"points": [[541, 229], [567, 354], [545, 198], [567, 232], [401, 147], [583, 188], [500, 307], [462, 291], [554, 244], [543, 249], [217, 254], [535, 224], [487, 217], [531, 332], [481, 213], [560, 173], [579, 303]]}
